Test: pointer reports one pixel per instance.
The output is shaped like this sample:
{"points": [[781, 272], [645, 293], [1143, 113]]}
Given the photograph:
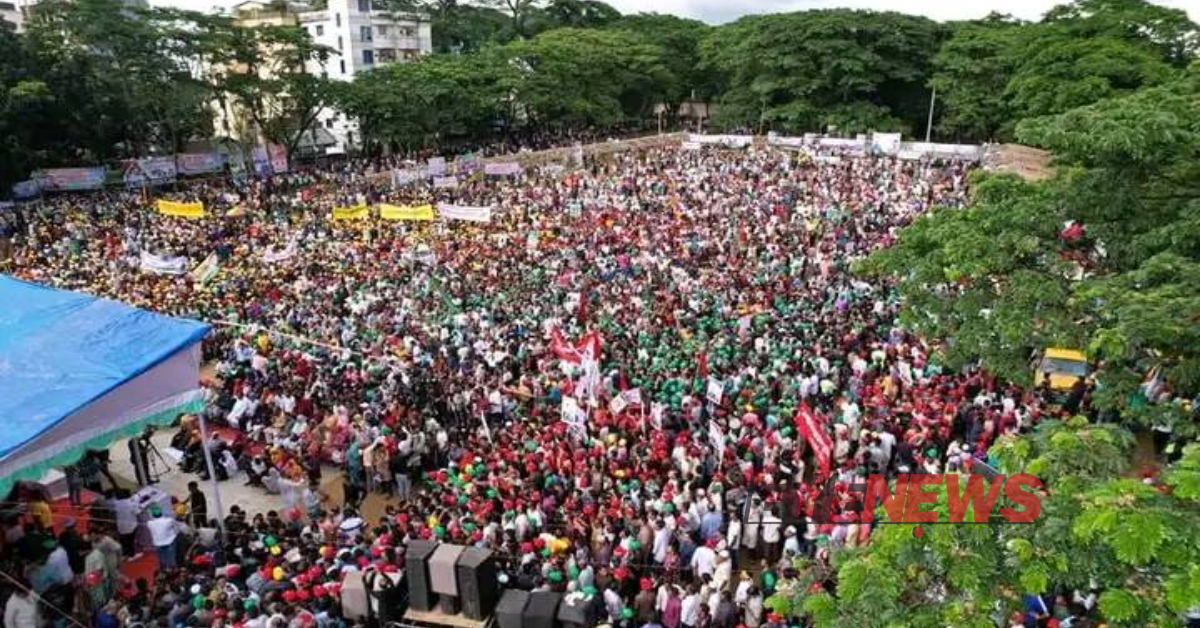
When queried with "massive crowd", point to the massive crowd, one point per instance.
{"points": [[447, 363]]}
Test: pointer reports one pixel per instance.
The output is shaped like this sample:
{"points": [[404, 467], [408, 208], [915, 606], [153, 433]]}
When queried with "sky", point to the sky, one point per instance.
{"points": [[719, 11]]}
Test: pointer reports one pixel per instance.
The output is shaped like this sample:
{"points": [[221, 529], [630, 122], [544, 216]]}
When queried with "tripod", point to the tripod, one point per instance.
{"points": [[158, 465]]}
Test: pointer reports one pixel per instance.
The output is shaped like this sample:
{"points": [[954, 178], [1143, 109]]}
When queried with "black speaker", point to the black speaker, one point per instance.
{"points": [[511, 608], [477, 587], [388, 593], [448, 604], [416, 572], [542, 610], [574, 615]]}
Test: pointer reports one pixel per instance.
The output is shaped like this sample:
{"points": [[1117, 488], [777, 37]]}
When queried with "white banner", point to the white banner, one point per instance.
{"points": [[445, 182], [692, 146], [731, 141], [150, 171], [436, 166], [886, 143], [406, 176], [163, 265], [465, 212], [502, 169]]}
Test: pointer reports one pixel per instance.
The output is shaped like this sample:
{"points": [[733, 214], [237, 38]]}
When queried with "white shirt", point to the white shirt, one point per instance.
{"points": [[770, 528], [689, 612], [163, 531], [703, 561], [21, 612], [126, 512]]}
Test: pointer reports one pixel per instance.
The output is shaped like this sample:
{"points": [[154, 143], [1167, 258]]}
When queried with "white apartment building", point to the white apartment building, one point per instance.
{"points": [[362, 38], [11, 15]]}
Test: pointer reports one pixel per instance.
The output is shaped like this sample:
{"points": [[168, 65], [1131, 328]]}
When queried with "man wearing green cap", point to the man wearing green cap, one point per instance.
{"points": [[164, 531]]}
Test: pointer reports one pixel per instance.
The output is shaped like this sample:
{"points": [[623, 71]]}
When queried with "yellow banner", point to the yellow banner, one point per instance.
{"points": [[357, 212], [183, 210], [406, 212]]}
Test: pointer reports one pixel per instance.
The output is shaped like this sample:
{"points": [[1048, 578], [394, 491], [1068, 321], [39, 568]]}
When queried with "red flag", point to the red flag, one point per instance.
{"points": [[582, 313], [812, 428], [703, 364], [588, 347]]}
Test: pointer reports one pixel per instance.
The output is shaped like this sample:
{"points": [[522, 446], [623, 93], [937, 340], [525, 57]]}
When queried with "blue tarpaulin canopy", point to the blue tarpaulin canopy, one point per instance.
{"points": [[78, 372]]}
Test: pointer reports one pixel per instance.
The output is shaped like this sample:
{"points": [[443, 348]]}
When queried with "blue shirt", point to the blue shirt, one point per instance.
{"points": [[710, 526]]}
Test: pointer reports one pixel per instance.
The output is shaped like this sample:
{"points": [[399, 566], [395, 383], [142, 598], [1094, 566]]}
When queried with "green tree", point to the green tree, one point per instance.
{"points": [[1134, 544], [971, 73], [580, 77], [998, 282], [440, 97], [857, 70], [681, 38], [270, 79]]}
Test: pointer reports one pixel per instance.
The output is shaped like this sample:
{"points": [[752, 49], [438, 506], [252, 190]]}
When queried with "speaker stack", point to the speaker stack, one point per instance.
{"points": [[542, 610], [477, 586], [416, 571], [510, 610], [443, 576]]}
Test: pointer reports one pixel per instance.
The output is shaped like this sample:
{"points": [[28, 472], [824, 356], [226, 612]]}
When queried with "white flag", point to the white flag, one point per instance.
{"points": [[656, 414]]}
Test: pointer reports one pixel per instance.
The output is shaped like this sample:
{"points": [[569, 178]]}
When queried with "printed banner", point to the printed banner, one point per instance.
{"points": [[183, 210], [692, 146], [357, 212], [279, 158], [886, 143], [730, 141], [237, 164], [26, 189], [465, 212], [149, 171], [206, 270], [262, 161], [436, 166], [405, 212], [199, 163], [163, 265], [503, 169], [407, 176], [445, 182], [71, 179], [786, 142]]}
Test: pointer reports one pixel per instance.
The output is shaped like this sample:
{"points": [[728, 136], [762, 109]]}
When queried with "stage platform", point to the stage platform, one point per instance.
{"points": [[423, 619]]}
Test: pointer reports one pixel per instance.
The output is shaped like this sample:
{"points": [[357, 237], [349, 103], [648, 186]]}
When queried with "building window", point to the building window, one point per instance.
{"points": [[339, 43], [329, 123], [381, 29], [337, 19], [320, 30], [343, 62], [385, 55], [350, 138], [368, 57], [365, 33], [364, 6]]}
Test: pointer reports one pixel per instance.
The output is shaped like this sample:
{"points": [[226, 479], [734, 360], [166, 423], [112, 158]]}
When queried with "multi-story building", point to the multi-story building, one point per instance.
{"points": [[362, 38], [11, 15]]}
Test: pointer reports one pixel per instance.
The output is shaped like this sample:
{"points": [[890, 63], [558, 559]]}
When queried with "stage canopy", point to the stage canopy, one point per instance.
{"points": [[78, 372]]}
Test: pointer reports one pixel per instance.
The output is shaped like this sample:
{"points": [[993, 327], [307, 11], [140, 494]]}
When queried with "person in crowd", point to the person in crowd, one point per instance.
{"points": [[599, 382]]}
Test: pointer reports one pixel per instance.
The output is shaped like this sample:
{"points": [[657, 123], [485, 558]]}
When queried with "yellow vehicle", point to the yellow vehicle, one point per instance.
{"points": [[1062, 367]]}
